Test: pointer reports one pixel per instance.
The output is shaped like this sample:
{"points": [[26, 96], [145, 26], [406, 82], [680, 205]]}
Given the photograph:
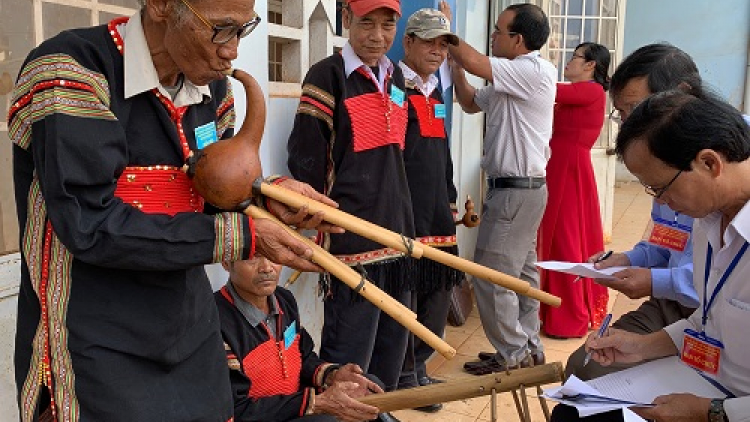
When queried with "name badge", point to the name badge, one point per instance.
{"points": [[205, 135], [701, 352], [669, 235], [440, 111], [290, 334], [397, 96]]}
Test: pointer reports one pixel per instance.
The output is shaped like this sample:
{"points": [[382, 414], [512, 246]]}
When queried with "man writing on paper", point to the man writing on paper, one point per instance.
{"points": [[694, 151], [666, 273]]}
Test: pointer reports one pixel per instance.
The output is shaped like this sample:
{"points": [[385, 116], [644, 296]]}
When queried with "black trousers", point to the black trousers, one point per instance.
{"points": [[432, 311], [356, 331]]}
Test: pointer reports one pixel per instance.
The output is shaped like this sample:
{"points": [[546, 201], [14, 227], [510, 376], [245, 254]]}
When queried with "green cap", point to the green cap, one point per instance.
{"points": [[429, 24]]}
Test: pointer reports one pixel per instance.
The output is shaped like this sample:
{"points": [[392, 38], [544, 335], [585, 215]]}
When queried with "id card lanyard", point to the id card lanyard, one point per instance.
{"points": [[708, 303], [699, 350]]}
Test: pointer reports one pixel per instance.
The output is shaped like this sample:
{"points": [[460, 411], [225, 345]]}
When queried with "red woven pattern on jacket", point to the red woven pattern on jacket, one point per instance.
{"points": [[270, 373], [429, 125], [158, 190], [376, 121]]}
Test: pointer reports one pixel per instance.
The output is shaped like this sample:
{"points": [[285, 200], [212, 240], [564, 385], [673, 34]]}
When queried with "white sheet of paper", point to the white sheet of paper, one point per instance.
{"points": [[642, 383], [573, 386], [583, 269]]}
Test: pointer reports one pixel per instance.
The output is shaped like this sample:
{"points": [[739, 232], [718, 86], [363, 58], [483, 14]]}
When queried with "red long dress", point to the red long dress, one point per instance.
{"points": [[571, 229]]}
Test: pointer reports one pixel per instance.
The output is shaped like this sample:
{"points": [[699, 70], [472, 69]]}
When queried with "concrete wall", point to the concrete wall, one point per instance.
{"points": [[714, 33], [9, 278]]}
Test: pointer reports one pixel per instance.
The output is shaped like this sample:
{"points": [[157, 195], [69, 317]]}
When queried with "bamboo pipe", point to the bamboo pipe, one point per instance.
{"points": [[465, 387], [395, 241], [293, 278], [351, 223], [369, 291], [336, 267]]}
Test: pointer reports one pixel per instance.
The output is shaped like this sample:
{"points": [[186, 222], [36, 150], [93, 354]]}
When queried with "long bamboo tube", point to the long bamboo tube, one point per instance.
{"points": [[369, 291], [465, 388], [394, 240], [351, 223]]}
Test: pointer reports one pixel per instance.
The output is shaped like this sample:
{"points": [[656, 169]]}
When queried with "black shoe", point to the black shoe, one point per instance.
{"points": [[429, 380], [430, 408], [484, 367], [486, 355], [386, 417], [538, 357]]}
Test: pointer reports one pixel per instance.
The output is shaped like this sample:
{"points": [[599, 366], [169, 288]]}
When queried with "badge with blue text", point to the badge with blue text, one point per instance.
{"points": [[397, 96], [290, 334], [440, 111], [205, 135]]}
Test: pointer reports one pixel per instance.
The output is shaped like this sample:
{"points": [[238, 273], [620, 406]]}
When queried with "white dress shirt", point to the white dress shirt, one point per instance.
{"points": [[519, 106], [729, 315]]}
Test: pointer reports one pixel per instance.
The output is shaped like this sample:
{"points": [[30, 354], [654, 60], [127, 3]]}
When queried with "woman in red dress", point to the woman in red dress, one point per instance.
{"points": [[571, 229]]}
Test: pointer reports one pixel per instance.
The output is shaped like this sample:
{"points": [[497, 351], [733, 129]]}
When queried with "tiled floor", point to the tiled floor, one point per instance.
{"points": [[632, 208]]}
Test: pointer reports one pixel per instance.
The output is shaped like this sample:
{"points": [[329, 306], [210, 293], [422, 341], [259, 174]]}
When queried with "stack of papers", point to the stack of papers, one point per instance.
{"points": [[584, 269], [632, 387]]}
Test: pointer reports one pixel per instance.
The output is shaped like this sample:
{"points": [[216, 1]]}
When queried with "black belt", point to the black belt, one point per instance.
{"points": [[516, 182]]}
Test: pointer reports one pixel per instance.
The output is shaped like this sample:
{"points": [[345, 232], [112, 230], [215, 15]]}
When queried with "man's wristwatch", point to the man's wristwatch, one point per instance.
{"points": [[716, 411]]}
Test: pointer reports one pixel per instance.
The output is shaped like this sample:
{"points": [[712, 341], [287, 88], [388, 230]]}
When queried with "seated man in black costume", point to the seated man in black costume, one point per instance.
{"points": [[275, 374]]}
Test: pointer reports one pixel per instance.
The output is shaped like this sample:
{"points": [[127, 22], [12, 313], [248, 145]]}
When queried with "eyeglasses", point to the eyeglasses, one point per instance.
{"points": [[658, 192], [500, 32], [224, 33]]}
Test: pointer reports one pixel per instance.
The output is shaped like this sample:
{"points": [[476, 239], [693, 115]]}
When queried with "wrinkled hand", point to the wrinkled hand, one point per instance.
{"points": [[301, 218], [351, 372], [274, 243], [445, 8], [615, 346], [676, 407], [635, 283], [337, 401]]}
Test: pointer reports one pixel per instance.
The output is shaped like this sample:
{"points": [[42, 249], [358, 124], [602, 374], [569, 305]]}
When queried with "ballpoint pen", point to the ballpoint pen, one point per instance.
{"points": [[601, 258], [599, 334]]}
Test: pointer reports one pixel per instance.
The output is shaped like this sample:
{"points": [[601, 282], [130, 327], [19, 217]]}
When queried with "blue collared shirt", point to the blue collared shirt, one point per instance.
{"points": [[671, 271]]}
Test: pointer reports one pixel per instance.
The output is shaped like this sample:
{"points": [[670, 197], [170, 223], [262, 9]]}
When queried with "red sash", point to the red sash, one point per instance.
{"points": [[158, 190]]}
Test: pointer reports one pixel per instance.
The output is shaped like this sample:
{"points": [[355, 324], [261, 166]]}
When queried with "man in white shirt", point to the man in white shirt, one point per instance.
{"points": [[694, 151], [519, 106]]}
